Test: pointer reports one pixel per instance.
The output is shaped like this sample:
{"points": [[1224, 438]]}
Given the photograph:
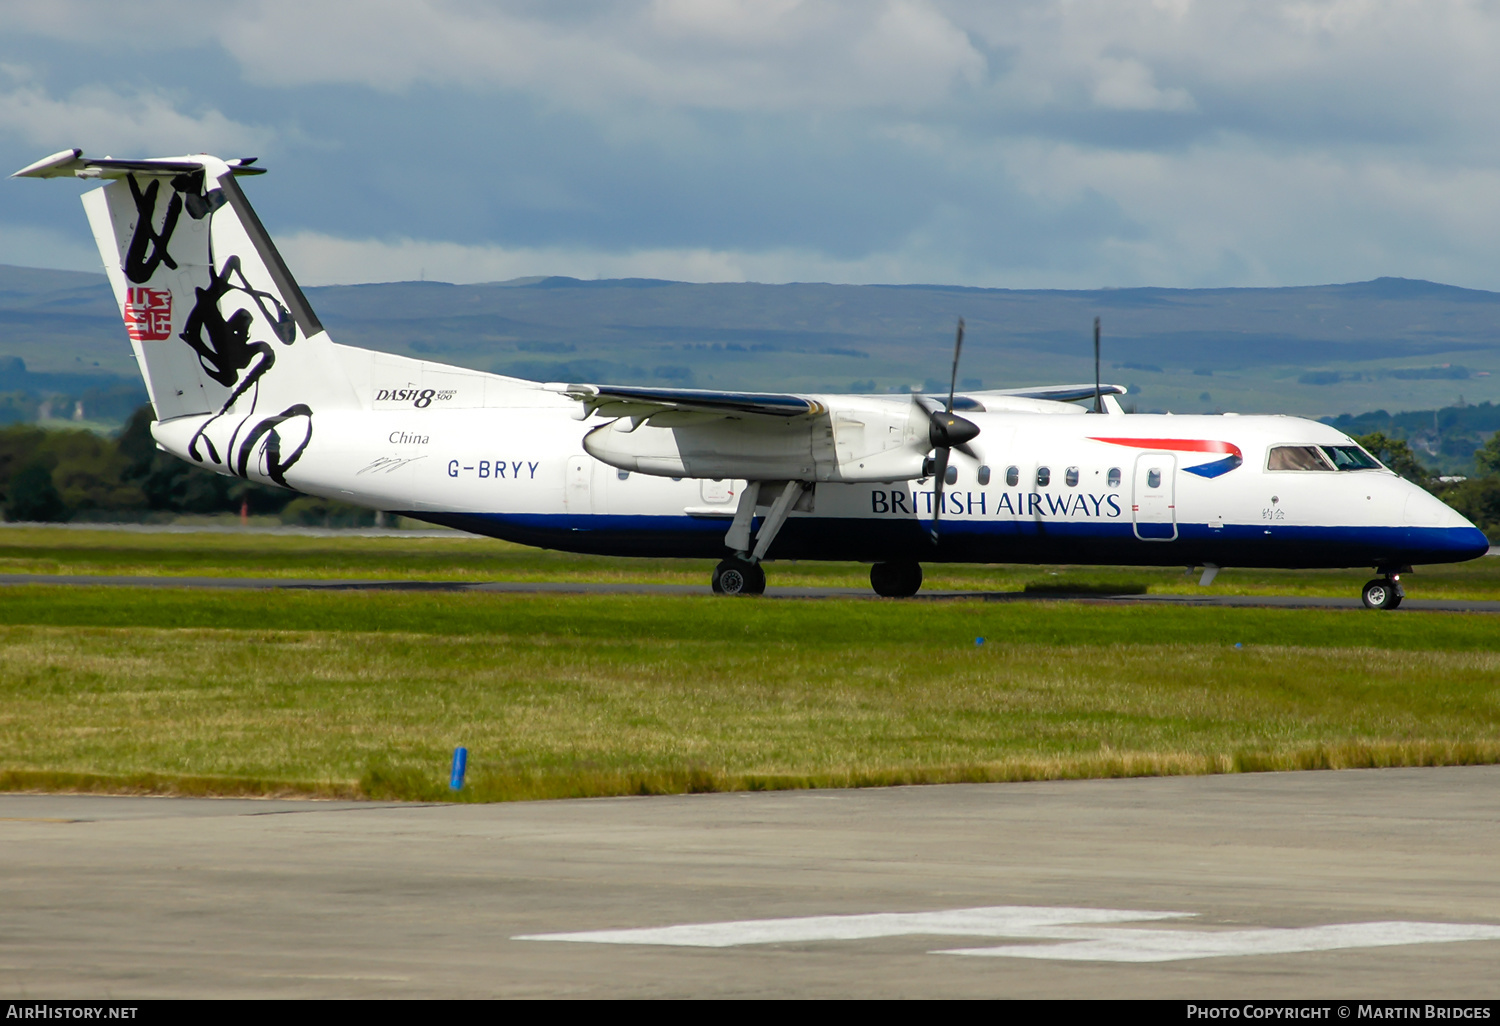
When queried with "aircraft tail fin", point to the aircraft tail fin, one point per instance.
{"points": [[218, 324], [210, 307]]}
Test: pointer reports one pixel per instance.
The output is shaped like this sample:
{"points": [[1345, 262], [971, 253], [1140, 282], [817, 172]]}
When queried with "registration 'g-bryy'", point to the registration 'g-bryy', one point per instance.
{"points": [[246, 382]]}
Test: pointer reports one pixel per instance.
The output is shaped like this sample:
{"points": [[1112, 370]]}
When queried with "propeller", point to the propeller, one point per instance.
{"points": [[947, 432], [1098, 396]]}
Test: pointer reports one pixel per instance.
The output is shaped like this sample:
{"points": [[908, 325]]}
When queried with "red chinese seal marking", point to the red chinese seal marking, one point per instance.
{"points": [[148, 314]]}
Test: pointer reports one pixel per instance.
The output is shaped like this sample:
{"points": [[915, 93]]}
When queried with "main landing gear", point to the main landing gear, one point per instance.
{"points": [[1383, 592], [736, 576], [896, 579], [741, 574]]}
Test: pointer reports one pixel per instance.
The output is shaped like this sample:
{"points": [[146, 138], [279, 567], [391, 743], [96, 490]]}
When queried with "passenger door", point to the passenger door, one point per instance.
{"points": [[1154, 506]]}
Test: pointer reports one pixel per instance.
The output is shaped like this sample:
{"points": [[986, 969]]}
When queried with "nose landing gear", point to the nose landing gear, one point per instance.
{"points": [[1383, 592]]}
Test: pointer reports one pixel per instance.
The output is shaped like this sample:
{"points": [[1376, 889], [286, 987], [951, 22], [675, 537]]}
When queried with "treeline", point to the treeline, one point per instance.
{"points": [[27, 396], [1445, 438], [76, 475], [61, 475]]}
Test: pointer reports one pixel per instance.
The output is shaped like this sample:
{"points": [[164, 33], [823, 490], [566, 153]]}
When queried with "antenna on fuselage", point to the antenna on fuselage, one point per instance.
{"points": [[1098, 399]]}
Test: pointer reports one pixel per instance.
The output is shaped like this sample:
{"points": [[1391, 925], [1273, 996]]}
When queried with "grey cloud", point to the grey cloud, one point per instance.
{"points": [[138, 121], [1083, 143], [1273, 68]]}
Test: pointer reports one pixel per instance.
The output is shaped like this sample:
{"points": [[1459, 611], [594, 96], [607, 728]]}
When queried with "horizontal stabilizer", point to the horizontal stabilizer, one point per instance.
{"points": [[73, 164]]}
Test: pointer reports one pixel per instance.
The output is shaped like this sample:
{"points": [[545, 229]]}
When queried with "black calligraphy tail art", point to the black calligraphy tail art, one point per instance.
{"points": [[199, 204], [225, 350], [222, 332], [277, 463], [148, 247], [232, 325]]}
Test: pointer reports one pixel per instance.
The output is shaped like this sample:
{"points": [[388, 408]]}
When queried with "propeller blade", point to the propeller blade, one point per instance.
{"points": [[1098, 401], [946, 432], [940, 478], [958, 345]]}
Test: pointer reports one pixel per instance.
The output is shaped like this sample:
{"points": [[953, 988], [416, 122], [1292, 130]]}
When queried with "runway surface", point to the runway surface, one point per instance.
{"points": [[1353, 884], [588, 588]]}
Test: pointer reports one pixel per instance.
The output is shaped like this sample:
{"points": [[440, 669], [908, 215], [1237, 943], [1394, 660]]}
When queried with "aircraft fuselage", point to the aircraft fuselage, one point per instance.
{"points": [[1130, 490]]}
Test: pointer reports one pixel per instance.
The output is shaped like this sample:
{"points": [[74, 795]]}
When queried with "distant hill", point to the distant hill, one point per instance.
{"points": [[1392, 343]]}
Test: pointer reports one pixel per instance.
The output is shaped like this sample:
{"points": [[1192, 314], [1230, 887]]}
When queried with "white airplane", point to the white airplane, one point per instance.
{"points": [[245, 381]]}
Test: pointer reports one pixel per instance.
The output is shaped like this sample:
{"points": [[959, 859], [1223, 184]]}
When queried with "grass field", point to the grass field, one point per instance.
{"points": [[366, 693], [42, 550]]}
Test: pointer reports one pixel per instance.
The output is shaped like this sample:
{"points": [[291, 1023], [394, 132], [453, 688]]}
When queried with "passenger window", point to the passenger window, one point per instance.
{"points": [[1296, 457], [984, 475], [622, 474], [1114, 477], [1153, 478], [1012, 476], [1071, 477], [951, 476], [1043, 477]]}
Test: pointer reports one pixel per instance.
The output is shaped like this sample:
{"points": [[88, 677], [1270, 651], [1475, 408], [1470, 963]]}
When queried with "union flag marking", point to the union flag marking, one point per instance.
{"points": [[148, 314]]}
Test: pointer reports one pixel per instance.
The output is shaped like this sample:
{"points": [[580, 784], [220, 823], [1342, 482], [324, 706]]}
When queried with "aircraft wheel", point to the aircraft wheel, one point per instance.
{"points": [[897, 579], [1381, 594], [738, 577]]}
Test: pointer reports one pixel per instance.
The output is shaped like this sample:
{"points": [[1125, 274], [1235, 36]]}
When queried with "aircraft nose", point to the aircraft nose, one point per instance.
{"points": [[1424, 510], [1458, 535], [1468, 542]]}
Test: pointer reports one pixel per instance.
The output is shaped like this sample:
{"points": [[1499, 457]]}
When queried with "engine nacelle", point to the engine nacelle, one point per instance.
{"points": [[858, 438]]}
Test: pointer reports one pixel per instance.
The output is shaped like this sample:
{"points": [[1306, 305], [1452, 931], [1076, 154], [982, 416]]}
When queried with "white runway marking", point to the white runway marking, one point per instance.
{"points": [[1171, 945], [999, 921], [1082, 931]]}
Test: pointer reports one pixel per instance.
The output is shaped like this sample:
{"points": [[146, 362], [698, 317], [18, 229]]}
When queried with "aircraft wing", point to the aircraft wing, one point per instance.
{"points": [[632, 401], [642, 400], [639, 402], [1056, 393]]}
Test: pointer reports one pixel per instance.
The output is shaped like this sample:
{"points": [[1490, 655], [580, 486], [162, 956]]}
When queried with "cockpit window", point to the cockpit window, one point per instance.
{"points": [[1296, 457], [1350, 457]]}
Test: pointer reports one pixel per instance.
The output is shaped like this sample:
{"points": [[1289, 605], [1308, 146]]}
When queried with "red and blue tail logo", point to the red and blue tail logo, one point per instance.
{"points": [[1212, 469]]}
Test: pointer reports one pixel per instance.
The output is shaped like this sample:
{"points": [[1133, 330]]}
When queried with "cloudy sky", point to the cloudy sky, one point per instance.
{"points": [[1063, 144]]}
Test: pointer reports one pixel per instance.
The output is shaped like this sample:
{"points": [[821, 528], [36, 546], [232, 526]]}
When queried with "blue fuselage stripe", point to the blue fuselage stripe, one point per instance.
{"points": [[1006, 541]]}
